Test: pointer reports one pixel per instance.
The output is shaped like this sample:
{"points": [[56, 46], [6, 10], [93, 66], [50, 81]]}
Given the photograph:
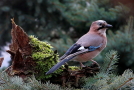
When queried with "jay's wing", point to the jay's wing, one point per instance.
{"points": [[72, 50]]}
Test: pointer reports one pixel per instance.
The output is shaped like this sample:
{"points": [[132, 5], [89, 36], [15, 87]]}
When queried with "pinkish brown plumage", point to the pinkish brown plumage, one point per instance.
{"points": [[95, 37]]}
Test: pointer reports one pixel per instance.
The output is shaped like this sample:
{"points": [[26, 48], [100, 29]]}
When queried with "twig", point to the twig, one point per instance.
{"points": [[109, 63], [124, 83], [6, 69]]}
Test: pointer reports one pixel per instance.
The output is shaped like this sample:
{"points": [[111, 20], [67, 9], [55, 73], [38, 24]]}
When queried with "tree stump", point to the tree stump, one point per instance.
{"points": [[23, 64], [20, 51]]}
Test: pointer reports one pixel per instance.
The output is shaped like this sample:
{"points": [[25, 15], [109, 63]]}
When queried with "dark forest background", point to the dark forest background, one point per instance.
{"points": [[62, 22]]}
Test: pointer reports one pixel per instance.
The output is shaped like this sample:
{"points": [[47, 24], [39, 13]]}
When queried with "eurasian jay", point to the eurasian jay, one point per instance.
{"points": [[87, 47]]}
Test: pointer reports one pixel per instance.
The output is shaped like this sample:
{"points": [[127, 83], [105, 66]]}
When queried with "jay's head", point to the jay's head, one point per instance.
{"points": [[100, 25]]}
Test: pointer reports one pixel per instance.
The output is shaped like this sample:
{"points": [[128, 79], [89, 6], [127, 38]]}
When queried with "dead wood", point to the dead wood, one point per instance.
{"points": [[1, 60], [20, 51]]}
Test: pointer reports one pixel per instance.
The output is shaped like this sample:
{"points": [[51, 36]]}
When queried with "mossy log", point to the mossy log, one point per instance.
{"points": [[30, 56]]}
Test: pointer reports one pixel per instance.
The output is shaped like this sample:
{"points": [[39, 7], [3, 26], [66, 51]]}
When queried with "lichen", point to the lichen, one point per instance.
{"points": [[44, 57]]}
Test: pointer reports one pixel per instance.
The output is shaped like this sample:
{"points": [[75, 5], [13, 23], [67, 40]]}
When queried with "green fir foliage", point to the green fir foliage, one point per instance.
{"points": [[109, 62], [85, 11], [43, 17], [16, 83], [44, 57], [122, 38], [106, 79]]}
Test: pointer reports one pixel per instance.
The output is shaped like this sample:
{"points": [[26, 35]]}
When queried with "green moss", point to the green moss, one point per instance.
{"points": [[44, 57], [74, 68]]}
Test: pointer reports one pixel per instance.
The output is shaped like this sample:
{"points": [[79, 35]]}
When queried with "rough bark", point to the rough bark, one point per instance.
{"points": [[20, 51], [1, 60]]}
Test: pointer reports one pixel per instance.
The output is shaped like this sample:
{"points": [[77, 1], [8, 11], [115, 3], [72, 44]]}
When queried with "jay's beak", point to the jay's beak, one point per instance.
{"points": [[108, 26]]}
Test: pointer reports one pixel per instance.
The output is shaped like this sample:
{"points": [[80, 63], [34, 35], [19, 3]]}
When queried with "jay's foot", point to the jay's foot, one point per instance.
{"points": [[94, 62], [81, 65]]}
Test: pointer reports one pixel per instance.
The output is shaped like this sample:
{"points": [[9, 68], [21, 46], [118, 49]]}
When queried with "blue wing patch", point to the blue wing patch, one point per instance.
{"points": [[92, 48]]}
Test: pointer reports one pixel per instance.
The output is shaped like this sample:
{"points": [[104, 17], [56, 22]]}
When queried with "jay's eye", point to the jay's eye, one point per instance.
{"points": [[100, 24]]}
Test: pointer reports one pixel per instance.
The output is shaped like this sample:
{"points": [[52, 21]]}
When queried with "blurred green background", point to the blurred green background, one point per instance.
{"points": [[62, 22]]}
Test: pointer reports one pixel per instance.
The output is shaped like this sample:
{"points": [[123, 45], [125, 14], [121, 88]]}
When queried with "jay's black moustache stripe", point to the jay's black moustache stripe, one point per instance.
{"points": [[100, 28]]}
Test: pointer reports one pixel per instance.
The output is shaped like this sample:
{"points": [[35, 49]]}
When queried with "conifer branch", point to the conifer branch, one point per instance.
{"points": [[124, 83], [109, 63]]}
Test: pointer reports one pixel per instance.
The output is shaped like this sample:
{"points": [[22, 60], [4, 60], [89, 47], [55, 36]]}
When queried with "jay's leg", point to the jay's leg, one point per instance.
{"points": [[95, 62], [81, 65]]}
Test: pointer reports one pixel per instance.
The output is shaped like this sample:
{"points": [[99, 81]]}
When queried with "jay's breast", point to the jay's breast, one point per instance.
{"points": [[86, 56]]}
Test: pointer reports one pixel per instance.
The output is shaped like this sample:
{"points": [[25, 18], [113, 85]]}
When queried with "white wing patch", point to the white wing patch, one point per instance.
{"points": [[81, 48]]}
